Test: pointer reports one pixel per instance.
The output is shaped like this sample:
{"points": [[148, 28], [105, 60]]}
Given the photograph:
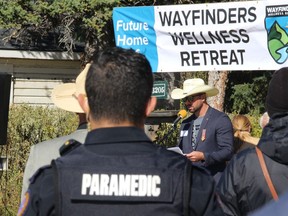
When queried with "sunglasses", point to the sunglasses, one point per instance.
{"points": [[191, 98]]}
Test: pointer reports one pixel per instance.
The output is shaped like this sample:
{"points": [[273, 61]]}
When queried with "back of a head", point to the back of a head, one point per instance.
{"points": [[118, 85], [241, 124], [276, 101]]}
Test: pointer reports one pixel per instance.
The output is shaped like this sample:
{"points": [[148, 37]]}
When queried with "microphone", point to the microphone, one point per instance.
{"points": [[181, 114]]}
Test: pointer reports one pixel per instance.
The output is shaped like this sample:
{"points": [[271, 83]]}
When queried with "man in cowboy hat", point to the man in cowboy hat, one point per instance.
{"points": [[41, 154], [206, 137]]}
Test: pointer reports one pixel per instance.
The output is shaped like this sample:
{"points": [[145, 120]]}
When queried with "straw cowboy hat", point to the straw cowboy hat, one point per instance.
{"points": [[65, 95], [81, 79], [192, 87]]}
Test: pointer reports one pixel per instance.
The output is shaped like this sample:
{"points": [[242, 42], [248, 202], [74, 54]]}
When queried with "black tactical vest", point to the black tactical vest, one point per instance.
{"points": [[95, 184]]}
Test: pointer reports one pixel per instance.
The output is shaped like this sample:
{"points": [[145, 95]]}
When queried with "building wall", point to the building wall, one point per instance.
{"points": [[33, 79]]}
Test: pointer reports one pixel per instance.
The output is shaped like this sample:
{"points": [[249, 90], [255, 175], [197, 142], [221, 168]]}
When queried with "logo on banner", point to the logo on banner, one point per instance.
{"points": [[276, 24]]}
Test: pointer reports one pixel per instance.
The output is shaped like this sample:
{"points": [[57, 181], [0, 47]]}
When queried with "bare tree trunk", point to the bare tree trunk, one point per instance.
{"points": [[218, 79]]}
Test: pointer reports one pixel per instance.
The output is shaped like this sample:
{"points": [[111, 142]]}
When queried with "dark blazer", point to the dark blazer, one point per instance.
{"points": [[215, 139]]}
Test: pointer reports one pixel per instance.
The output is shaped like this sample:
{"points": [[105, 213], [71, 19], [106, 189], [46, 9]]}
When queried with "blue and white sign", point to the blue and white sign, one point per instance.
{"points": [[250, 35], [134, 29]]}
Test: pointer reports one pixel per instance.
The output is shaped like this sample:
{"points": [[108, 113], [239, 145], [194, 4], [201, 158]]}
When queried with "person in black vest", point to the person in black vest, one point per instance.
{"points": [[119, 170]]}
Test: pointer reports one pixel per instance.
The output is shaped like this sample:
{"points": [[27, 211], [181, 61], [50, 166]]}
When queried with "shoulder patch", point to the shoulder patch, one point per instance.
{"points": [[24, 204], [68, 146]]}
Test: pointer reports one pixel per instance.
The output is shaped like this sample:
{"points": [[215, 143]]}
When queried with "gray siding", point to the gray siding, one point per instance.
{"points": [[34, 79]]}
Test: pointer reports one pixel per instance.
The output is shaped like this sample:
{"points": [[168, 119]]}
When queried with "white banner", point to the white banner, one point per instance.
{"points": [[250, 35]]}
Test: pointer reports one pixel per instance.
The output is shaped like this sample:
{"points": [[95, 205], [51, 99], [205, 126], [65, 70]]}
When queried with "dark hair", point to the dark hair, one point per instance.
{"points": [[118, 85]]}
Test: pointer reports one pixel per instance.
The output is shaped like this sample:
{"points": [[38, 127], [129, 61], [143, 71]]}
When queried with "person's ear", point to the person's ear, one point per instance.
{"points": [[204, 96], [83, 101], [151, 105]]}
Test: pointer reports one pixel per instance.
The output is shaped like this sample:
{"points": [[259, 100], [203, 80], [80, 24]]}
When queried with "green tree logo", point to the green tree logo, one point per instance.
{"points": [[276, 24]]}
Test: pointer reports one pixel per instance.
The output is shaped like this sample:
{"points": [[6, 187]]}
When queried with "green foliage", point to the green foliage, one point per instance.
{"points": [[16, 13], [171, 139], [246, 92], [28, 125], [243, 97], [66, 22], [256, 129]]}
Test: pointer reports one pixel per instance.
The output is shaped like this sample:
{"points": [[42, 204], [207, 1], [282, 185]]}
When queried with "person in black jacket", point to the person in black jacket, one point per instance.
{"points": [[119, 170], [243, 187]]}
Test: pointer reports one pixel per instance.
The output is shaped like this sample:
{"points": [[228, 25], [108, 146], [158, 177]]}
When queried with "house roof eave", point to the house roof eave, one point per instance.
{"points": [[47, 55]]}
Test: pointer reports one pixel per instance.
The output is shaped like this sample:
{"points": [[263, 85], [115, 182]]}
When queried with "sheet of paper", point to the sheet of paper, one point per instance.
{"points": [[176, 149]]}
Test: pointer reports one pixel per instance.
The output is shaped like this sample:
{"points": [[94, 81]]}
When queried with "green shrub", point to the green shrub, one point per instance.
{"points": [[28, 125], [166, 135], [256, 129], [246, 91]]}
